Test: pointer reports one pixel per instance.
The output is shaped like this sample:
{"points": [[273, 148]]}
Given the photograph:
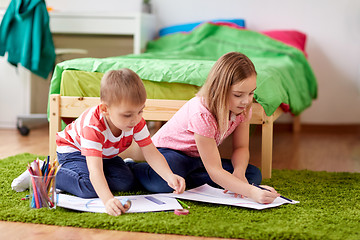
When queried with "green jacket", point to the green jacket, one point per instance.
{"points": [[25, 35]]}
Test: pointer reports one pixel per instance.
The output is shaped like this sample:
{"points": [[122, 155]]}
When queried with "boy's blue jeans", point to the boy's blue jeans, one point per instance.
{"points": [[190, 168], [73, 176]]}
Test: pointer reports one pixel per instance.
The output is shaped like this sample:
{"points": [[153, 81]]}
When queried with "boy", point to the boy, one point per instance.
{"points": [[88, 148]]}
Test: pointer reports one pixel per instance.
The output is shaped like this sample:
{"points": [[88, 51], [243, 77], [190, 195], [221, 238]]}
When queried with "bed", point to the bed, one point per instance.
{"points": [[175, 66]]}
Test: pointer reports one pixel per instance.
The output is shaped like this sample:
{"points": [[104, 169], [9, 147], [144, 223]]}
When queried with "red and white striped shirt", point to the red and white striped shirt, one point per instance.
{"points": [[91, 135]]}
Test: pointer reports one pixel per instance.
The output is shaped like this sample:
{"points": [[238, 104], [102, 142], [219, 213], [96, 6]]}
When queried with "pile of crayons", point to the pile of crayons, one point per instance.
{"points": [[42, 185]]}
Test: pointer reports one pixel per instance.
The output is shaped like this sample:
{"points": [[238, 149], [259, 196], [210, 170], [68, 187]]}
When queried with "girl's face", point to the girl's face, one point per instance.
{"points": [[122, 116], [241, 94]]}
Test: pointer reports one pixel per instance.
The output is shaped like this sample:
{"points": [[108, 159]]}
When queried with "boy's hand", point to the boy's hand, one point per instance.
{"points": [[114, 207], [177, 183], [264, 196]]}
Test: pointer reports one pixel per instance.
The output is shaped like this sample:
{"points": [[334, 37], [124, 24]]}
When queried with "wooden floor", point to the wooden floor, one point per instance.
{"points": [[317, 148], [324, 148]]}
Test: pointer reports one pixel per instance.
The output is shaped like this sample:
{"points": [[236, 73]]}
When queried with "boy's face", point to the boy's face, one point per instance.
{"points": [[122, 116], [241, 94]]}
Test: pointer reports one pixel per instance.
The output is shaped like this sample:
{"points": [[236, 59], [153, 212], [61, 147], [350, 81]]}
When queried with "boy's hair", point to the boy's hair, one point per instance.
{"points": [[228, 70], [122, 85]]}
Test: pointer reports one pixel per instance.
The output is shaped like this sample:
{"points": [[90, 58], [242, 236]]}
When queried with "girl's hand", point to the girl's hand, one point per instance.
{"points": [[243, 179], [264, 196], [177, 183], [235, 194], [114, 207]]}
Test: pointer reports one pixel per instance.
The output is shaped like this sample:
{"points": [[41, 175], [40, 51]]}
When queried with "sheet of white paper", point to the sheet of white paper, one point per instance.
{"points": [[167, 201], [139, 203], [206, 193]]}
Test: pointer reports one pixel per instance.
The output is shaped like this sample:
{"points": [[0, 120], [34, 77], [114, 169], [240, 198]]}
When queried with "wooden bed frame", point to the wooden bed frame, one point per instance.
{"points": [[158, 110]]}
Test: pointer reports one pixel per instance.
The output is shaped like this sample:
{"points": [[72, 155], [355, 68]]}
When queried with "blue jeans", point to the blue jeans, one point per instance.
{"points": [[190, 168], [73, 176]]}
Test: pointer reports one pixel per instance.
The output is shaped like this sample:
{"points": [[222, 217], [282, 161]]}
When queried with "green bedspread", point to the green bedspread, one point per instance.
{"points": [[284, 74]]}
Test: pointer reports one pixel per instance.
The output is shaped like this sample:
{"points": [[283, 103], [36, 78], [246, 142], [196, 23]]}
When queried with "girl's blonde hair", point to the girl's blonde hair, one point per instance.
{"points": [[122, 85], [228, 70]]}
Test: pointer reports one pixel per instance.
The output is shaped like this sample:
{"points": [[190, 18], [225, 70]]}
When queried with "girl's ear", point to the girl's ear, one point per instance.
{"points": [[104, 109]]}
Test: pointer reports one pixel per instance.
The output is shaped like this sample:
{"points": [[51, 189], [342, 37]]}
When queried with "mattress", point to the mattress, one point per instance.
{"points": [[86, 84]]}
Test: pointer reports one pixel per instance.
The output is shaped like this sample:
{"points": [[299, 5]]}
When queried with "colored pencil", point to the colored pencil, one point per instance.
{"points": [[184, 204], [42, 182]]}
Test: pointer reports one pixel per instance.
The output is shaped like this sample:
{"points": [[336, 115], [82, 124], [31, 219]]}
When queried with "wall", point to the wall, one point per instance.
{"points": [[12, 93], [333, 30], [95, 5]]}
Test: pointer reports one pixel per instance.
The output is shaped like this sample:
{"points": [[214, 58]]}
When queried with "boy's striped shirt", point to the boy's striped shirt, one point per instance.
{"points": [[91, 135]]}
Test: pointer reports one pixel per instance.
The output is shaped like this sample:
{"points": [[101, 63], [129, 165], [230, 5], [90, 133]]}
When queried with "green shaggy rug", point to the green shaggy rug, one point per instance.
{"points": [[329, 208]]}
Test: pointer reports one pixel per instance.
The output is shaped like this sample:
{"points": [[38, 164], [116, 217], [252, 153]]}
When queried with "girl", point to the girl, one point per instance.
{"points": [[189, 141]]}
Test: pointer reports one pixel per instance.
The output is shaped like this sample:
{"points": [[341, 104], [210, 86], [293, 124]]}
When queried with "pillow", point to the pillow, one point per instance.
{"points": [[290, 37], [228, 24], [190, 26]]}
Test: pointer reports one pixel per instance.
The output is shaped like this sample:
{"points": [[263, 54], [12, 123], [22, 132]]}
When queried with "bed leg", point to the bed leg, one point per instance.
{"points": [[55, 124], [266, 148], [158, 125], [296, 124]]}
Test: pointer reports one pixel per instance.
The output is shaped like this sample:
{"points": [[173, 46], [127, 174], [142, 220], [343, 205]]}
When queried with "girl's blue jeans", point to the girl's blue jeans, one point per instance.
{"points": [[190, 168], [73, 176]]}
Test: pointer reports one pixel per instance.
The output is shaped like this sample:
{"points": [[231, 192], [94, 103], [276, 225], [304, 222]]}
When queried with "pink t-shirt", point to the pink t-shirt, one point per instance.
{"points": [[193, 117]]}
